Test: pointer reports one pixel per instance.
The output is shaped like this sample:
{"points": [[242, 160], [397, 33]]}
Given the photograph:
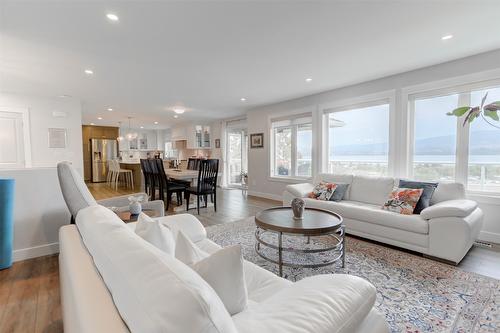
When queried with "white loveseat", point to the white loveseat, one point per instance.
{"points": [[447, 229], [326, 303]]}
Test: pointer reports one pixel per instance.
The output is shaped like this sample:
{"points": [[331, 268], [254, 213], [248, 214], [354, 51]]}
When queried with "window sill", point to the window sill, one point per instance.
{"points": [[292, 180]]}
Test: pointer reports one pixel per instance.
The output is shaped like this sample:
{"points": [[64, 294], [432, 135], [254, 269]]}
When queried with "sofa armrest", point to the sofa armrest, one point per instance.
{"points": [[300, 190], [449, 208]]}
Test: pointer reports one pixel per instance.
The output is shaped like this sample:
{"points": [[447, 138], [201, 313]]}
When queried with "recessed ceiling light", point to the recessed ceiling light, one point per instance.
{"points": [[179, 110], [446, 37], [89, 72], [142, 126], [156, 123], [110, 109], [243, 99], [176, 116], [92, 124], [309, 79], [64, 96], [100, 118], [112, 17]]}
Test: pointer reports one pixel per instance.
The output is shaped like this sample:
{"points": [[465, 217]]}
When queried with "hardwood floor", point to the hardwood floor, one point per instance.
{"points": [[29, 290]]}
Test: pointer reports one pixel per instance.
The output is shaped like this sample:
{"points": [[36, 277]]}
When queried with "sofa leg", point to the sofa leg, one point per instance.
{"points": [[444, 261]]}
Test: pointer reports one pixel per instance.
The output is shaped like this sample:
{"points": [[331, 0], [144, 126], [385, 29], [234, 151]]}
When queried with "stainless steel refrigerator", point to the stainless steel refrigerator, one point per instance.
{"points": [[103, 151]]}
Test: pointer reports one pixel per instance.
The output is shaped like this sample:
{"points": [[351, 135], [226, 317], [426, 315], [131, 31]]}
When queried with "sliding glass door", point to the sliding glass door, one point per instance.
{"points": [[237, 152]]}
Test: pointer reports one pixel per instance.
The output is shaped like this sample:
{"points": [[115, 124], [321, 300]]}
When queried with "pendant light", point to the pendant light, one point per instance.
{"points": [[130, 135], [120, 137]]}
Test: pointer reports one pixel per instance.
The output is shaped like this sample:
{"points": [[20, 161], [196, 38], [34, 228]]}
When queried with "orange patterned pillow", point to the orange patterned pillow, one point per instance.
{"points": [[403, 200], [323, 191]]}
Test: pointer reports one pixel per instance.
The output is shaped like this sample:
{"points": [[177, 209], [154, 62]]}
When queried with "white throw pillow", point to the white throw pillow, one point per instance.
{"points": [[186, 251], [155, 233], [223, 271]]}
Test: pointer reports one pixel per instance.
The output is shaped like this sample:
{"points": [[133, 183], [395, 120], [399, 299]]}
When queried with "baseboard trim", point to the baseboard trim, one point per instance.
{"points": [[489, 237], [265, 195], [36, 251]]}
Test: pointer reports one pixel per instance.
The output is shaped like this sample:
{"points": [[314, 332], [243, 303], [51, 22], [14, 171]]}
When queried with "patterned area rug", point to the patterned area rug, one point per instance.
{"points": [[415, 294]]}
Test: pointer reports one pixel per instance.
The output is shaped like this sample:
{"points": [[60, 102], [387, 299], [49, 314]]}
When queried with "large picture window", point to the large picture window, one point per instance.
{"points": [[435, 139], [358, 140], [446, 150], [292, 147], [484, 147]]}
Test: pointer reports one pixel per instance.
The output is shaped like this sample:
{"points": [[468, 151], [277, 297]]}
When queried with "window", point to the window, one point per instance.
{"points": [[445, 150], [484, 147], [291, 155], [358, 140], [435, 138]]}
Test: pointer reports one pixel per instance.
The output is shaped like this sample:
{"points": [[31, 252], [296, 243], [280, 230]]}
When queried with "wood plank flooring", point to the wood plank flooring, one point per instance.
{"points": [[29, 290]]}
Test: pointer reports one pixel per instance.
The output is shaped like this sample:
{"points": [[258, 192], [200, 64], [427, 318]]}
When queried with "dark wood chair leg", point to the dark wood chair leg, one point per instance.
{"points": [[215, 200], [212, 197], [198, 203], [186, 196], [168, 200], [205, 197]]}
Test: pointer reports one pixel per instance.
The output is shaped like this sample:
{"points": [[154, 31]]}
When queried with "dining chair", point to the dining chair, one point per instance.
{"points": [[146, 173], [167, 186], [207, 184]]}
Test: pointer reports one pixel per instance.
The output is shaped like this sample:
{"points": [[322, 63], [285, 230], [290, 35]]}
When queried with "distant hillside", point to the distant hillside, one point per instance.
{"points": [[483, 143]]}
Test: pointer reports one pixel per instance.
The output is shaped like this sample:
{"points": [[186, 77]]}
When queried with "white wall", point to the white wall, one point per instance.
{"points": [[258, 160], [39, 207]]}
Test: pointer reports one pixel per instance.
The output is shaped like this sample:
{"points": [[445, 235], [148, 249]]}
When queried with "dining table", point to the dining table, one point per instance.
{"points": [[182, 174]]}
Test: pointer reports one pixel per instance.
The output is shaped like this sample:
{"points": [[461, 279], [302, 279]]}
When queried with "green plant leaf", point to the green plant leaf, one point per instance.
{"points": [[492, 114], [459, 111], [484, 100]]}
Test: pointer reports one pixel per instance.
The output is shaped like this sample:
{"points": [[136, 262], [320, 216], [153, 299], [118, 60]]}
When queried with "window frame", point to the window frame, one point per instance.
{"points": [[463, 87], [293, 177], [385, 97]]}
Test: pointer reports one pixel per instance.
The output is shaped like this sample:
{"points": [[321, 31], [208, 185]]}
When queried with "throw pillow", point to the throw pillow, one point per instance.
{"points": [[187, 251], [425, 198], [339, 192], [155, 233], [322, 191], [223, 271], [403, 200]]}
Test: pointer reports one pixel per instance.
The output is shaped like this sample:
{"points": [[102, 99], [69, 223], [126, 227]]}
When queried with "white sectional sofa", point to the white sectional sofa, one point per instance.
{"points": [[446, 229], [90, 297]]}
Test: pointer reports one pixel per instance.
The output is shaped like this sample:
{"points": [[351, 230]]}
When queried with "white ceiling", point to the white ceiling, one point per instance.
{"points": [[207, 55]]}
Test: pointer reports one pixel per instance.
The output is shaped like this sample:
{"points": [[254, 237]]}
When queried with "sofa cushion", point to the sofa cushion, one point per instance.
{"points": [[322, 191], [153, 291], [223, 270], [448, 191], [333, 178], [403, 200], [320, 304], [186, 251], [261, 283], [340, 192], [372, 190], [155, 233], [425, 198], [374, 214], [301, 190]]}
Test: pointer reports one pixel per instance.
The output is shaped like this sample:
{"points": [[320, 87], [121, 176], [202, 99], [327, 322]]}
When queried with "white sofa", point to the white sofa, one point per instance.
{"points": [[447, 229], [329, 303]]}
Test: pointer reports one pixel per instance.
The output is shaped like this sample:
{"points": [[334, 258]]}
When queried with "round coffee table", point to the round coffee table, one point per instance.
{"points": [[315, 222]]}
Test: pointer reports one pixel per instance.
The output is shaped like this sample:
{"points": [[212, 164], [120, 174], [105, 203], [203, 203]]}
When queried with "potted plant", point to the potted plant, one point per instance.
{"points": [[244, 178], [484, 111]]}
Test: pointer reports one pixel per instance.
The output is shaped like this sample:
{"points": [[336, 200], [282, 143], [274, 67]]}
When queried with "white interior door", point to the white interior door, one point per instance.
{"points": [[11, 140]]}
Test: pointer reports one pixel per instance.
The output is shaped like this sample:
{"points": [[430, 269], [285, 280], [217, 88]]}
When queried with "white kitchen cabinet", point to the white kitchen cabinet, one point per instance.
{"points": [[198, 137]]}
